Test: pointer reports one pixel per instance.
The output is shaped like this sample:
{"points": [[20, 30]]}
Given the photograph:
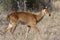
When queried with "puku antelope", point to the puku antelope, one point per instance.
{"points": [[26, 18]]}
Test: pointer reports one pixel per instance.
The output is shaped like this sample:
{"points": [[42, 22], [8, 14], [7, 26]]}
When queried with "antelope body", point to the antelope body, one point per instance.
{"points": [[26, 18]]}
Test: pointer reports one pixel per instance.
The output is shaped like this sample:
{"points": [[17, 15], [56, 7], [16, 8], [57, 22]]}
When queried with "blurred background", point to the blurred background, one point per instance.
{"points": [[25, 5], [49, 26]]}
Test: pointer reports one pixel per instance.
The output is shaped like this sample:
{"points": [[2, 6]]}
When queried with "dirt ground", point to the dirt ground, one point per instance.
{"points": [[49, 27]]}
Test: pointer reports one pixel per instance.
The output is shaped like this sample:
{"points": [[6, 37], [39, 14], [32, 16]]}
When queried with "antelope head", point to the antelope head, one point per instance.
{"points": [[45, 11]]}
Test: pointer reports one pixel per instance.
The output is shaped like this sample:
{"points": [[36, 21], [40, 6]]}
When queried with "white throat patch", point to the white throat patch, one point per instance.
{"points": [[43, 11]]}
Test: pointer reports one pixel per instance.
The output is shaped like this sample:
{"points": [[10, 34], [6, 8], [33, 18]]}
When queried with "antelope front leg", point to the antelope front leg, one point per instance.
{"points": [[35, 28], [27, 31]]}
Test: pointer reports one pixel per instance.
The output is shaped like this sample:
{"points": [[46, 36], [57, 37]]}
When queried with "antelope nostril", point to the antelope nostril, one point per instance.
{"points": [[49, 14]]}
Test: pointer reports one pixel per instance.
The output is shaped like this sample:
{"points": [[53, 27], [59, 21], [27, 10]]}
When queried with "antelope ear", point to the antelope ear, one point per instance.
{"points": [[46, 7]]}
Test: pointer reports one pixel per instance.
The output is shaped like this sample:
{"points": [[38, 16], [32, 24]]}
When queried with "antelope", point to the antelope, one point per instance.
{"points": [[26, 18]]}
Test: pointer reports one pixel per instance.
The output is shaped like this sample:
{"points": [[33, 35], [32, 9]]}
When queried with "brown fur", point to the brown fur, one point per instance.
{"points": [[26, 18]]}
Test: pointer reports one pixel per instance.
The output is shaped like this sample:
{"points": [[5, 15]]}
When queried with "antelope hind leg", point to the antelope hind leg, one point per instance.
{"points": [[13, 28], [7, 28]]}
